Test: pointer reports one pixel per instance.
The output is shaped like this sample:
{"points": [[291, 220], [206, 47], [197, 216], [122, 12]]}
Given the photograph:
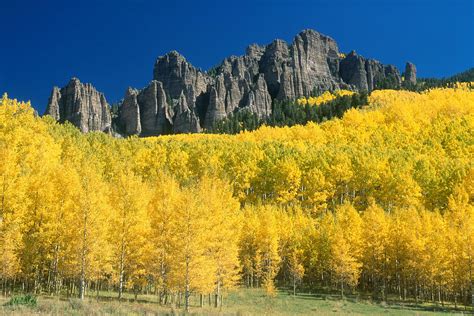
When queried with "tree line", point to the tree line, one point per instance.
{"points": [[293, 112]]}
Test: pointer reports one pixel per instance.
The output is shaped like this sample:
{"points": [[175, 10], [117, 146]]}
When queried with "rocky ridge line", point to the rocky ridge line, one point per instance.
{"points": [[184, 99]]}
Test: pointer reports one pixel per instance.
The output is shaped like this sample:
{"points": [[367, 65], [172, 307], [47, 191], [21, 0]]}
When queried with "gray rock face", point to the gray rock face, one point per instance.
{"points": [[155, 114], [278, 71], [259, 100], [146, 112], [273, 60], [216, 110], [129, 115], [410, 73], [352, 71], [310, 63], [82, 105], [368, 74], [315, 58], [177, 75], [52, 108], [184, 99], [185, 121]]}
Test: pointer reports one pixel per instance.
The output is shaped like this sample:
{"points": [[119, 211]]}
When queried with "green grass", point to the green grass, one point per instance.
{"points": [[241, 302]]}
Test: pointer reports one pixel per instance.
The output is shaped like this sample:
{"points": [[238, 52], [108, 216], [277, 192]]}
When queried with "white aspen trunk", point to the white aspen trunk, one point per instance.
{"points": [[121, 268], [186, 290], [294, 285], [218, 293], [82, 281], [472, 282], [342, 289], [55, 275]]}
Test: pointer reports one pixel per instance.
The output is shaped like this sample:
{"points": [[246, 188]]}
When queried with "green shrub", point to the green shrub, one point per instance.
{"points": [[27, 300]]}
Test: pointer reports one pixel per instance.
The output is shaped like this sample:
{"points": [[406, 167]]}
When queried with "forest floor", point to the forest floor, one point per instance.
{"points": [[241, 302]]}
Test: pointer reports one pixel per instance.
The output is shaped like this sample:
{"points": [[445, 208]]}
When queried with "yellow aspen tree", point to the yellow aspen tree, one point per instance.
{"points": [[347, 246], [320, 248], [375, 255], [434, 258], [164, 202], [241, 163], [294, 226], [317, 190], [26, 153], [248, 247], [66, 194], [12, 193], [460, 216], [92, 213], [129, 228], [192, 270], [404, 249], [267, 243], [288, 180], [225, 219]]}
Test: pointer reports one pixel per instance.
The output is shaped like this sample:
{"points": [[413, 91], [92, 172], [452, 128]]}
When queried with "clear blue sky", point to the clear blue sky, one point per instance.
{"points": [[113, 44]]}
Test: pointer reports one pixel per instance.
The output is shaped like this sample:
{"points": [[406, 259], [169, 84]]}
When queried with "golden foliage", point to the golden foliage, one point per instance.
{"points": [[382, 197], [323, 98]]}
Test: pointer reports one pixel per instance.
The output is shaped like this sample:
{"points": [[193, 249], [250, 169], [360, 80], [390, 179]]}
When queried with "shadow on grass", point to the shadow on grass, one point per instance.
{"points": [[429, 308], [394, 305]]}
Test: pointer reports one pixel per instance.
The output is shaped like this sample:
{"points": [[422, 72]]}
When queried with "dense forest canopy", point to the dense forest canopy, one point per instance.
{"points": [[465, 76], [378, 201]]}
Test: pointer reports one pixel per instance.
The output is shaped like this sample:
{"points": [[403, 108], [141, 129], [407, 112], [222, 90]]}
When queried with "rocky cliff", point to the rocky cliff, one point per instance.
{"points": [[184, 99], [410, 74], [82, 105]]}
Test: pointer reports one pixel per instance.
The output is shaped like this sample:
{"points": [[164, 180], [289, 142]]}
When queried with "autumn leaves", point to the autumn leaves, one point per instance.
{"points": [[378, 202]]}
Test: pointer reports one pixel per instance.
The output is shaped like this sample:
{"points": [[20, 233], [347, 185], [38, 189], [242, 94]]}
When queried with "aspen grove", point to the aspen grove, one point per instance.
{"points": [[378, 202]]}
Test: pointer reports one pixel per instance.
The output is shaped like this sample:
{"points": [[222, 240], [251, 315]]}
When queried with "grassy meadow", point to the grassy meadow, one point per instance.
{"points": [[240, 302]]}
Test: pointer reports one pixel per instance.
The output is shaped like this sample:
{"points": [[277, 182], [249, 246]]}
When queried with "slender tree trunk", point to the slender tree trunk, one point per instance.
{"points": [[294, 285], [342, 289], [218, 293], [399, 283], [416, 292], [455, 300], [55, 269], [187, 287], [121, 270], [13, 285], [82, 281], [472, 282]]}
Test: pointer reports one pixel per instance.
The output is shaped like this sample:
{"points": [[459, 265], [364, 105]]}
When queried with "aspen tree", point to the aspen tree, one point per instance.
{"points": [[129, 227]]}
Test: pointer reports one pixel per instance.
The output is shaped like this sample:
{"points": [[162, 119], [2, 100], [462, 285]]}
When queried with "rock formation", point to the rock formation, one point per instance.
{"points": [[130, 113], [367, 74], [185, 120], [82, 105], [410, 73], [184, 99]]}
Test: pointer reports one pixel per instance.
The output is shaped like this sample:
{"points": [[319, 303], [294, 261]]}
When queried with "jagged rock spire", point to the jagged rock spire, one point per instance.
{"points": [[82, 105]]}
